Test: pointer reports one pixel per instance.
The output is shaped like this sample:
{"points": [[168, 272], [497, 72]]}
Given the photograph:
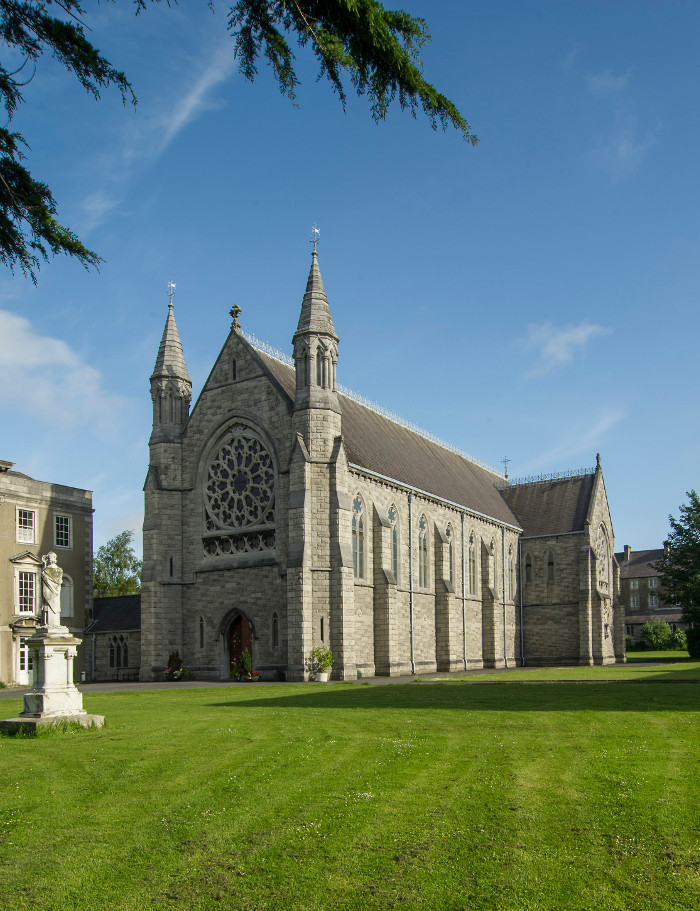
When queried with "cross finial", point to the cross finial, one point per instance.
{"points": [[314, 236], [235, 312], [171, 293], [505, 461]]}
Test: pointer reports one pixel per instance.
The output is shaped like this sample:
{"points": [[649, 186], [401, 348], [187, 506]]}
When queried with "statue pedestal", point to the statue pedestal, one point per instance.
{"points": [[53, 697]]}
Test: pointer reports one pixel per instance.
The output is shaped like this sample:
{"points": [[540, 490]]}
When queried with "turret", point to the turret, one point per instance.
{"points": [[315, 347], [171, 387]]}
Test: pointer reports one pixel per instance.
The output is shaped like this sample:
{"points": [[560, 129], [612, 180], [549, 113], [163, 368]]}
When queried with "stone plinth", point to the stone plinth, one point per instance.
{"points": [[53, 697]]}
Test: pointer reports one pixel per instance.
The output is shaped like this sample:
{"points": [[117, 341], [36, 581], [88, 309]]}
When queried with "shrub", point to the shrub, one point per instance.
{"points": [[657, 633], [678, 640], [245, 662]]}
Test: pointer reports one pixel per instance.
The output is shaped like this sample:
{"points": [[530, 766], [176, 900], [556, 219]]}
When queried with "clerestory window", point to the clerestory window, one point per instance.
{"points": [[358, 538]]}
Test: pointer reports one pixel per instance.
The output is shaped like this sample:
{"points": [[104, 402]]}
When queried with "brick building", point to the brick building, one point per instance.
{"points": [[640, 593], [285, 513], [37, 517]]}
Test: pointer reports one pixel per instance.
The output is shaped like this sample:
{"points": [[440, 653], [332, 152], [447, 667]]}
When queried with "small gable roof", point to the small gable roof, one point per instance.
{"points": [[121, 614], [551, 507], [378, 444]]}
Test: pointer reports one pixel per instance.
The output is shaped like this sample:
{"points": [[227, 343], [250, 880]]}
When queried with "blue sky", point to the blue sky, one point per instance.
{"points": [[535, 297]]}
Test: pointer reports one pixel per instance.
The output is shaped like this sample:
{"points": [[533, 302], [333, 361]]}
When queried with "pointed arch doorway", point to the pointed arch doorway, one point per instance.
{"points": [[240, 637]]}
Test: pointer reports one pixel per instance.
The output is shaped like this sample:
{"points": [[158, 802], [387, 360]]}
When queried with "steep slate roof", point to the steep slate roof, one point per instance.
{"points": [[378, 444], [116, 615], [551, 507], [637, 567], [170, 360]]}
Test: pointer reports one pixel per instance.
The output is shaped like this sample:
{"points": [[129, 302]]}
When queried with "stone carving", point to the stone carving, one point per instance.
{"points": [[52, 578]]}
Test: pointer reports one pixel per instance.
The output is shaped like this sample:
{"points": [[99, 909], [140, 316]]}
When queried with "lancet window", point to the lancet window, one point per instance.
{"points": [[550, 566], [528, 568], [472, 565], [450, 553], [423, 552], [358, 538], [511, 573], [393, 518]]}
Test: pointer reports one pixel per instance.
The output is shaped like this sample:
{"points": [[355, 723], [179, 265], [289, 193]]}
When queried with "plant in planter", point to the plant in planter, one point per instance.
{"points": [[246, 664], [175, 670], [320, 663]]}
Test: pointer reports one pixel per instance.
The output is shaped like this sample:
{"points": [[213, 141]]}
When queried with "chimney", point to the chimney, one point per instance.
{"points": [[628, 552]]}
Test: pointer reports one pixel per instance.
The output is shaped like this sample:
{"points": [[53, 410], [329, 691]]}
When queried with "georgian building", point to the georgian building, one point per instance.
{"points": [[640, 593], [283, 513], [37, 517]]}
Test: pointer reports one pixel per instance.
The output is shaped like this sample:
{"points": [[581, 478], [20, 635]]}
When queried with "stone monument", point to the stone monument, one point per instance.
{"points": [[53, 696]]}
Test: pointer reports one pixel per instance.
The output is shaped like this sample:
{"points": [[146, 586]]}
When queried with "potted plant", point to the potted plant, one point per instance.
{"points": [[321, 663], [246, 664]]}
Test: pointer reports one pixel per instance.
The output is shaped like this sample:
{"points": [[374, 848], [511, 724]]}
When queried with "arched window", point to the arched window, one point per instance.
{"points": [[393, 518], [492, 564], [234, 369], [275, 630], [423, 552], [358, 538], [66, 598], [472, 565], [118, 652], [450, 553], [321, 368], [201, 632], [511, 574], [550, 567], [528, 568], [603, 555]]}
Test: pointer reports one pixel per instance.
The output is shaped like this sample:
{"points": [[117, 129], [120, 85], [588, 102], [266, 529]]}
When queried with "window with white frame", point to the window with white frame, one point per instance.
{"points": [[653, 582], [62, 531], [634, 600], [26, 592], [26, 526], [26, 659], [66, 598], [634, 583], [653, 600]]}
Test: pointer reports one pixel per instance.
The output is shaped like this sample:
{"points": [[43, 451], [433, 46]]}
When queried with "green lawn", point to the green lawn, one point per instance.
{"points": [[431, 796]]}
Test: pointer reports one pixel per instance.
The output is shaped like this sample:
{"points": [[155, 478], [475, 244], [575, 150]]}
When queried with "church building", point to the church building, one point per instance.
{"points": [[284, 513]]}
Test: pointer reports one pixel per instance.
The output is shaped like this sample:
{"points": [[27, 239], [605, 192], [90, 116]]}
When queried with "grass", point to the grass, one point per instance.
{"points": [[439, 796]]}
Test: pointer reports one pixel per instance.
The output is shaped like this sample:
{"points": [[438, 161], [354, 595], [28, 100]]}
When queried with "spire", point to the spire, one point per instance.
{"points": [[170, 361], [315, 314]]}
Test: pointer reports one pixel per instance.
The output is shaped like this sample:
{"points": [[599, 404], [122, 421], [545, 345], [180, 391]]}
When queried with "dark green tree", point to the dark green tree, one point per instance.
{"points": [[116, 571], [679, 568], [377, 49]]}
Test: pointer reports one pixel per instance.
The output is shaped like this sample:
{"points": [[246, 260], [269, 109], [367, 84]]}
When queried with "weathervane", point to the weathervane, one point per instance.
{"points": [[171, 292], [314, 236], [235, 312], [505, 461]]}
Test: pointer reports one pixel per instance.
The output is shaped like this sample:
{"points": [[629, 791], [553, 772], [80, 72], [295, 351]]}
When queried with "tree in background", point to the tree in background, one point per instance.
{"points": [[377, 49], [116, 571], [679, 568]]}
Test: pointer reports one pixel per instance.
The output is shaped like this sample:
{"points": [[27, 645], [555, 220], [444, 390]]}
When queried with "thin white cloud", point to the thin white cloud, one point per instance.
{"points": [[556, 347], [153, 131], [579, 441], [45, 377], [570, 59], [622, 150], [605, 84]]}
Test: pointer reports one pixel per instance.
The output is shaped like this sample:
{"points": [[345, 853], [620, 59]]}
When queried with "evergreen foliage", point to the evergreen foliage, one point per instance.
{"points": [[116, 571], [378, 50], [679, 568], [29, 231]]}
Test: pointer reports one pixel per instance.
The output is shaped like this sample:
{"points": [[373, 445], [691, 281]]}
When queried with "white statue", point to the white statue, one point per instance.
{"points": [[52, 578]]}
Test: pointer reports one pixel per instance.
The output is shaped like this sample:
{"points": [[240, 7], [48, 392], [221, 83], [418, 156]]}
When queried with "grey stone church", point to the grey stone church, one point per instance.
{"points": [[282, 514]]}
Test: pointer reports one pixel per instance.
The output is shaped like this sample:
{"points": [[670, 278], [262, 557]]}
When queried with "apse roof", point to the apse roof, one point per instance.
{"points": [[551, 507]]}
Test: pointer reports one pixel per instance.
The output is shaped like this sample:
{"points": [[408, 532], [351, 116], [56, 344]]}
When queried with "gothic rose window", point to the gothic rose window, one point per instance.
{"points": [[239, 495], [602, 553]]}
